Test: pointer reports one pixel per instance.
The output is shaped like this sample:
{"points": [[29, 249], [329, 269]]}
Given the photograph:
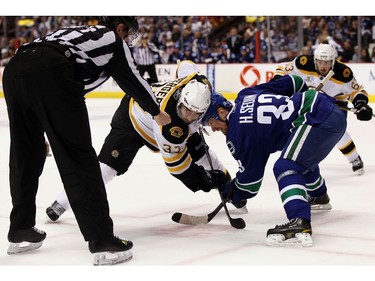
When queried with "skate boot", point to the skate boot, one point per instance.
{"points": [[118, 247], [25, 240], [241, 206], [55, 211], [319, 203], [296, 232], [357, 166]]}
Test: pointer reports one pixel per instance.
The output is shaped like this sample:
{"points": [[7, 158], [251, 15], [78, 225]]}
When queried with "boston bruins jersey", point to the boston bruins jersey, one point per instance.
{"points": [[342, 85], [171, 139]]}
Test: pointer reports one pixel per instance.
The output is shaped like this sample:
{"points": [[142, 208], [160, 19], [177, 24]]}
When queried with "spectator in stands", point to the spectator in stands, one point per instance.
{"points": [[245, 56], [205, 55], [372, 57], [221, 55], [366, 31], [348, 51], [234, 43]]}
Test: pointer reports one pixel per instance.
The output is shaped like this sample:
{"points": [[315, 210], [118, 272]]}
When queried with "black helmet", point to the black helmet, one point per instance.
{"points": [[113, 21], [131, 23]]}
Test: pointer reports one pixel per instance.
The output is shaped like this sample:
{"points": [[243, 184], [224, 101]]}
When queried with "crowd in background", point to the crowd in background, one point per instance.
{"points": [[219, 39]]}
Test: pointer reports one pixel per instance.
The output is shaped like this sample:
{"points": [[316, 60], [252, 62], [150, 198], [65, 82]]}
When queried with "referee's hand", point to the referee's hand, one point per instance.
{"points": [[162, 118]]}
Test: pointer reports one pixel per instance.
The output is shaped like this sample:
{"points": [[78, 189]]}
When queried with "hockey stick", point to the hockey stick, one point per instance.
{"points": [[194, 220], [237, 223], [325, 79], [351, 109], [320, 86]]}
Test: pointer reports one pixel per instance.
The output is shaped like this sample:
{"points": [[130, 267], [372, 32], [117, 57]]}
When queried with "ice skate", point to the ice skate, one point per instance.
{"points": [[320, 203], [357, 166], [241, 206], [111, 251], [295, 233], [55, 211], [26, 240]]}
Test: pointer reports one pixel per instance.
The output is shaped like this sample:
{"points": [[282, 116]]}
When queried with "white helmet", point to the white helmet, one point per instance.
{"points": [[196, 96], [325, 52]]}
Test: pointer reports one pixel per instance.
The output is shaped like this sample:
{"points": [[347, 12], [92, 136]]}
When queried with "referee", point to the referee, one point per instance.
{"points": [[44, 88], [144, 56]]}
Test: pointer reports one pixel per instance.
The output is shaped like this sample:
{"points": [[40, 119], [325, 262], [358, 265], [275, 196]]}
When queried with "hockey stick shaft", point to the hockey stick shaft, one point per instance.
{"points": [[238, 223], [325, 79], [351, 109]]}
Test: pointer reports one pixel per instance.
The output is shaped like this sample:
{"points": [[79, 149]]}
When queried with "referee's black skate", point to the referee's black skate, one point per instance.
{"points": [[25, 240], [296, 232], [111, 251], [55, 211], [319, 203]]}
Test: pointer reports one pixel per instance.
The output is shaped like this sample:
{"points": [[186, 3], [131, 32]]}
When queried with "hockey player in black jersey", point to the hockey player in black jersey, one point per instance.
{"points": [[343, 86], [44, 87], [185, 100]]}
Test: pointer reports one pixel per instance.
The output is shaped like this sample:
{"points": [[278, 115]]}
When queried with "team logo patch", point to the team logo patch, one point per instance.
{"points": [[303, 60], [115, 153], [176, 132], [346, 73]]}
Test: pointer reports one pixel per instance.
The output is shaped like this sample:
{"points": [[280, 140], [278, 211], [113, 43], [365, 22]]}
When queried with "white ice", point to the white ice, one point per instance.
{"points": [[143, 200]]}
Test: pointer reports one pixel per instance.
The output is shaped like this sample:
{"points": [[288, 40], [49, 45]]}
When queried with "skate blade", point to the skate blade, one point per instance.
{"points": [[19, 248], [300, 240], [107, 258], [321, 207], [242, 210], [360, 172]]}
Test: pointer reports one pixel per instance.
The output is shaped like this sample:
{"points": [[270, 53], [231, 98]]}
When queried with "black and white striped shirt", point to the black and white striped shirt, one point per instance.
{"points": [[99, 53], [145, 56]]}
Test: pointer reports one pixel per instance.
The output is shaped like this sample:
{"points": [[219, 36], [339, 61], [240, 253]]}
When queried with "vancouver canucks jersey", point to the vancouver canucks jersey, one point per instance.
{"points": [[262, 119], [342, 85]]}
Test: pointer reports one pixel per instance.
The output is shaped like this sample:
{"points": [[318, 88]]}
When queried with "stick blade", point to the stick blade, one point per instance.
{"points": [[189, 220], [238, 223]]}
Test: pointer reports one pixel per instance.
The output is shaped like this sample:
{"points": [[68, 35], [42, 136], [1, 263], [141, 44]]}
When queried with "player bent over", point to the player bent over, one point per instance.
{"points": [[280, 115], [185, 100]]}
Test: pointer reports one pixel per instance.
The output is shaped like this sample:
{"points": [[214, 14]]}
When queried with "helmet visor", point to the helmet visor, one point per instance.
{"points": [[131, 35]]}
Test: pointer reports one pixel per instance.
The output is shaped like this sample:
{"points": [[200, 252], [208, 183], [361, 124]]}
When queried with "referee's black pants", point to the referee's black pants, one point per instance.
{"points": [[43, 95]]}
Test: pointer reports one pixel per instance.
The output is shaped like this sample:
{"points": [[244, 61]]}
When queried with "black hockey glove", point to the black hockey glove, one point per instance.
{"points": [[212, 179], [363, 110], [277, 76]]}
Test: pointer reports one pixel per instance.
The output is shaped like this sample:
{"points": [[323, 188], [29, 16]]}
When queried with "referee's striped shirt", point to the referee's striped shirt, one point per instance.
{"points": [[99, 53], [145, 56]]}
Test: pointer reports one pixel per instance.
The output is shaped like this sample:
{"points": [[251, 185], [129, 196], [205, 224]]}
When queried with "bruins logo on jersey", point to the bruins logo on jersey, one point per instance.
{"points": [[303, 60], [176, 132], [346, 73]]}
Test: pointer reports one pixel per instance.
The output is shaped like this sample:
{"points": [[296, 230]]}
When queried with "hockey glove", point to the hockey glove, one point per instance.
{"points": [[363, 110], [277, 76], [212, 179]]}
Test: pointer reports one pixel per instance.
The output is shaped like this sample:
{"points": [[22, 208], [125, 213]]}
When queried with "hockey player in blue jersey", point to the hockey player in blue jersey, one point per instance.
{"points": [[282, 115]]}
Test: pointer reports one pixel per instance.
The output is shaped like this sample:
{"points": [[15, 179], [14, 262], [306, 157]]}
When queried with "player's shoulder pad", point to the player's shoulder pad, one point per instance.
{"points": [[305, 62], [343, 73], [175, 132]]}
